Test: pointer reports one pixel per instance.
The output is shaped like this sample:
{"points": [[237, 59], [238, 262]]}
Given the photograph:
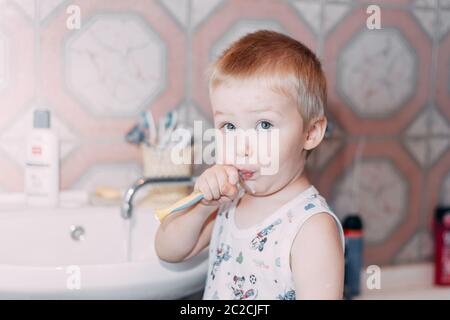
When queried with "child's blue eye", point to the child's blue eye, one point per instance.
{"points": [[265, 125], [229, 126]]}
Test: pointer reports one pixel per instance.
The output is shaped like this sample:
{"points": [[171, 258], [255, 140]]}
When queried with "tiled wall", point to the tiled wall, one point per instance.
{"points": [[389, 94]]}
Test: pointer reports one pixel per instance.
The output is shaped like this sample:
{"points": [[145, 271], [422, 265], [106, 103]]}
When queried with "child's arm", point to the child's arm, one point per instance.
{"points": [[185, 233], [317, 259]]}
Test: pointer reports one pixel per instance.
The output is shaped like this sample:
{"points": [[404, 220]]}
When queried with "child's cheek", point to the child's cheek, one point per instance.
{"points": [[269, 152]]}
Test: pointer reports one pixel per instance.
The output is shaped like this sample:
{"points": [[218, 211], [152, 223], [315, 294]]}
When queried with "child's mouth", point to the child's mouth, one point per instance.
{"points": [[246, 174]]}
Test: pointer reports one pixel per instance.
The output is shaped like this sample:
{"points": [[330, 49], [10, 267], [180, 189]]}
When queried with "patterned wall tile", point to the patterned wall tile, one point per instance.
{"points": [[444, 194], [443, 72], [116, 175], [228, 22], [116, 64], [384, 186], [16, 82], [310, 12], [425, 3], [376, 189], [13, 138], [179, 9], [437, 183], [201, 10], [418, 248], [326, 151], [444, 3], [427, 19], [362, 66], [334, 13], [443, 23], [330, 146], [416, 139], [439, 125], [380, 91], [96, 153], [16, 62], [127, 67], [427, 137], [46, 7]]}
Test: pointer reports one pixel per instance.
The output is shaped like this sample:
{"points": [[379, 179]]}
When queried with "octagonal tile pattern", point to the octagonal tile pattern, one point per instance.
{"points": [[427, 137], [378, 91], [379, 180], [363, 65], [191, 13], [117, 175], [375, 189], [116, 65], [443, 72], [444, 195], [46, 7]]}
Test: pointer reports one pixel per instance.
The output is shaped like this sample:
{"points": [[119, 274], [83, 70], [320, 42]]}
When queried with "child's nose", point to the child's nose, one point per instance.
{"points": [[244, 148]]}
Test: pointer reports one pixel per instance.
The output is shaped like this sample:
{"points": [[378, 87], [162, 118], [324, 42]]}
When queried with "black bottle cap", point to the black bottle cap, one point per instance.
{"points": [[353, 222], [440, 212]]}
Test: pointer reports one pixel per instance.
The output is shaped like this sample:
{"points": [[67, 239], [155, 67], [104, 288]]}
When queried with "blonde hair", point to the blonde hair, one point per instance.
{"points": [[281, 62]]}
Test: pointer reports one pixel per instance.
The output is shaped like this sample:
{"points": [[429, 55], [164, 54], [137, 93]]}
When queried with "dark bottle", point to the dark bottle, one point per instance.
{"points": [[442, 246], [353, 232]]}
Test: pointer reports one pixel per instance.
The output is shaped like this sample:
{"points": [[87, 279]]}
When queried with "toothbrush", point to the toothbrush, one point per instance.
{"points": [[184, 203], [192, 199]]}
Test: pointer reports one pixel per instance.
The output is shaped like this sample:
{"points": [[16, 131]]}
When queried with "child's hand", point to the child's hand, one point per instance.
{"points": [[218, 184]]}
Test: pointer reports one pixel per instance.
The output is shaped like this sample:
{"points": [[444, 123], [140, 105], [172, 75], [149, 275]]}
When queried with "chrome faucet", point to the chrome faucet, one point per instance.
{"points": [[127, 203]]}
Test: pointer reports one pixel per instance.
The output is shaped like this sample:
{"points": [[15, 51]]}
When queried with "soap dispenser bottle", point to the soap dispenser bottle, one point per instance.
{"points": [[42, 163]]}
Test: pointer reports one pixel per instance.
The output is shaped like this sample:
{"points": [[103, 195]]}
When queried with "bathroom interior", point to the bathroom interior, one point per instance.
{"points": [[98, 72]]}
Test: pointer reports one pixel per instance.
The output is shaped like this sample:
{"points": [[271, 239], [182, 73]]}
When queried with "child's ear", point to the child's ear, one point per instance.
{"points": [[315, 133]]}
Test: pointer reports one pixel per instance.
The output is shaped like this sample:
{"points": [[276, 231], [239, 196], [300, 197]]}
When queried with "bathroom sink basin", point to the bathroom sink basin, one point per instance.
{"points": [[89, 252]]}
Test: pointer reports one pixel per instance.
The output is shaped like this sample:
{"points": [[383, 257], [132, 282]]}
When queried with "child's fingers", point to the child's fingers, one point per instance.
{"points": [[203, 187], [211, 180], [222, 179], [229, 190], [233, 175], [224, 200]]}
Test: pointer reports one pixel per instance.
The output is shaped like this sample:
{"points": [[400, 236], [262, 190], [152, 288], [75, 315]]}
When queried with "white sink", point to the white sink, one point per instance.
{"points": [[40, 260]]}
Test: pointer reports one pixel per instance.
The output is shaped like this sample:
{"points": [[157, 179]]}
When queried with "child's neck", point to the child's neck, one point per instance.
{"points": [[295, 186], [258, 207]]}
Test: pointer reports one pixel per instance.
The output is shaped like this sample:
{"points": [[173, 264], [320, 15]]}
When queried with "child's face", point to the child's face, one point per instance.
{"points": [[249, 104]]}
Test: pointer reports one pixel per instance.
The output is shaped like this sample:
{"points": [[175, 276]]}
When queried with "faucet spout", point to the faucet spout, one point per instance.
{"points": [[126, 209]]}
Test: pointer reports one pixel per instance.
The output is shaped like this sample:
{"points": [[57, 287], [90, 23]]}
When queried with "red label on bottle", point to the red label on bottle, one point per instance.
{"points": [[352, 233], [36, 150]]}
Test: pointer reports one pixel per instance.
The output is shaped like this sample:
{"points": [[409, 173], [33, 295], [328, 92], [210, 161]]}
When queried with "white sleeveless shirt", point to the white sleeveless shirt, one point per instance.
{"points": [[253, 263]]}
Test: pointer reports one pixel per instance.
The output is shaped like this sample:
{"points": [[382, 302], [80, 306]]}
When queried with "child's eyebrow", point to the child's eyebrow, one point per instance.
{"points": [[266, 109], [253, 111], [218, 113]]}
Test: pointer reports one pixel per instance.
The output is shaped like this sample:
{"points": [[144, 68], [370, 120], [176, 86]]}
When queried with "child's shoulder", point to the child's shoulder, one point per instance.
{"points": [[313, 216], [313, 202]]}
